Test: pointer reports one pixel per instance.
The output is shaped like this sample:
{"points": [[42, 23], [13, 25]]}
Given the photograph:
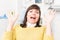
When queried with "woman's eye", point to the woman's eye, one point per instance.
{"points": [[37, 12], [30, 11]]}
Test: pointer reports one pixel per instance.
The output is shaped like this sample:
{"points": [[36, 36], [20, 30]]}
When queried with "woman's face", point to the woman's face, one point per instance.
{"points": [[33, 16]]}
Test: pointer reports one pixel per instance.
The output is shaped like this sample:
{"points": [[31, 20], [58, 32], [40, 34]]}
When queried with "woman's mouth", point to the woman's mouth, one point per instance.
{"points": [[33, 17]]}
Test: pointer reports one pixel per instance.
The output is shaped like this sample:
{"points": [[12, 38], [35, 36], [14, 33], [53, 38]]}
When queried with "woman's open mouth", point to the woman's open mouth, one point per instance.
{"points": [[33, 17]]}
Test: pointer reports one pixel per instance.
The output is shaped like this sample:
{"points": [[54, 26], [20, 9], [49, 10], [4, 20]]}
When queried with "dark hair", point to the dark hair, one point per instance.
{"points": [[34, 6]]}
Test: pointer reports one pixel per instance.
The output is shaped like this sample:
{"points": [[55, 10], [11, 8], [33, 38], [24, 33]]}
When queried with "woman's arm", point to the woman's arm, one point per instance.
{"points": [[48, 30], [10, 31], [48, 19]]}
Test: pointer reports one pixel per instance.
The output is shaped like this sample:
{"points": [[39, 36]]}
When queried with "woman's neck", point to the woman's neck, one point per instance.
{"points": [[30, 25]]}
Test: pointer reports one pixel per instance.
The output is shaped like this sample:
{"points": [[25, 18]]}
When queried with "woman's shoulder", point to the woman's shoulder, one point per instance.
{"points": [[43, 27]]}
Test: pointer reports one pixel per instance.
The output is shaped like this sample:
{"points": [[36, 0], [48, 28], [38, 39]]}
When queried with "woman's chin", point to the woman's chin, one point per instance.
{"points": [[32, 22]]}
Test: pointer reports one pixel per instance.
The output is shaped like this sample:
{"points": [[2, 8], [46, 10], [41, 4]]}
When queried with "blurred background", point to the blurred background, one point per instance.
{"points": [[20, 6]]}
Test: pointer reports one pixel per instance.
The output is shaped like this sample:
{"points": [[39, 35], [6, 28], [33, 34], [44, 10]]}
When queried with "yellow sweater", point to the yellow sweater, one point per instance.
{"points": [[19, 33]]}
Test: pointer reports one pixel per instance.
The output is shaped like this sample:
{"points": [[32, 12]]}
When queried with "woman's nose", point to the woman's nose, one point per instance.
{"points": [[33, 13]]}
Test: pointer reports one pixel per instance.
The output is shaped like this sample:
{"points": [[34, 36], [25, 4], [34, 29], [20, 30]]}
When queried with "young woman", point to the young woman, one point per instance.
{"points": [[30, 29]]}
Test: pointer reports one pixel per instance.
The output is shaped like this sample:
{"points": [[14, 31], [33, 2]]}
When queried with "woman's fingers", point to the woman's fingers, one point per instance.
{"points": [[12, 16], [52, 12], [16, 15], [49, 16], [8, 14]]}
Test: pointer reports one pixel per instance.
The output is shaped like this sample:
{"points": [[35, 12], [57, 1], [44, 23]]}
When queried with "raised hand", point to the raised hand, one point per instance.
{"points": [[12, 17], [48, 19], [49, 16]]}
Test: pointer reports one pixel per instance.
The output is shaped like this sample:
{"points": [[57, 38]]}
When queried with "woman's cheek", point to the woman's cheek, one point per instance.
{"points": [[37, 17]]}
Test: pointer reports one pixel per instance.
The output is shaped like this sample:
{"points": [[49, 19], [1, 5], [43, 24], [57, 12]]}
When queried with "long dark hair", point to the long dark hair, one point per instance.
{"points": [[34, 6]]}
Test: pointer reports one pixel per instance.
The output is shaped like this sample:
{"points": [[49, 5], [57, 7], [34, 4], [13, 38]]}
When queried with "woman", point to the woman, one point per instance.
{"points": [[30, 29]]}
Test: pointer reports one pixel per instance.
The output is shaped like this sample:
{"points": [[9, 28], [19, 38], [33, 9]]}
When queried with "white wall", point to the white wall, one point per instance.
{"points": [[56, 2]]}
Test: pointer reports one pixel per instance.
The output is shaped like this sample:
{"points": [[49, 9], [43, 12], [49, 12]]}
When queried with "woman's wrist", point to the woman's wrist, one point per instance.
{"points": [[9, 28], [48, 29]]}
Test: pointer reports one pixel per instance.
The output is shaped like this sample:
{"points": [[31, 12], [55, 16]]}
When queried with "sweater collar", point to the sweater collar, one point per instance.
{"points": [[30, 25]]}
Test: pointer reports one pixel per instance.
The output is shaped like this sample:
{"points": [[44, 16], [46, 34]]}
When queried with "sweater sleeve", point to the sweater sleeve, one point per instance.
{"points": [[48, 37], [9, 35]]}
